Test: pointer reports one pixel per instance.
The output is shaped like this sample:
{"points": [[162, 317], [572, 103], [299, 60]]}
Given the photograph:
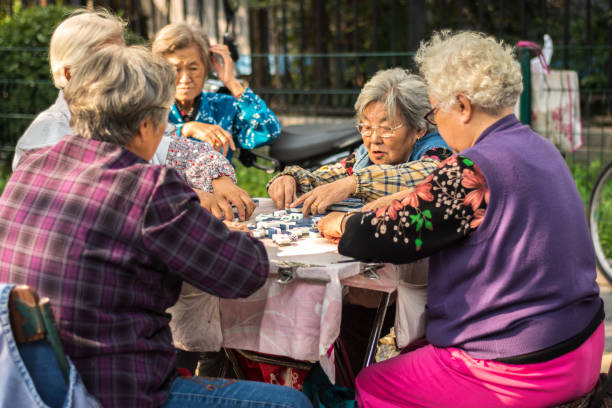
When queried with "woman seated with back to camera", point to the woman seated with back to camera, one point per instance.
{"points": [[399, 149], [241, 119], [514, 316], [109, 238]]}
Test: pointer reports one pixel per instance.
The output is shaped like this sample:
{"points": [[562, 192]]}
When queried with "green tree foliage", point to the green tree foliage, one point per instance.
{"points": [[26, 86], [25, 78], [341, 43]]}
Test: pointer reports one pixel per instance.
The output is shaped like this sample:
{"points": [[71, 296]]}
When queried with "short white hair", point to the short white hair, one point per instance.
{"points": [[483, 69], [75, 38], [116, 89]]}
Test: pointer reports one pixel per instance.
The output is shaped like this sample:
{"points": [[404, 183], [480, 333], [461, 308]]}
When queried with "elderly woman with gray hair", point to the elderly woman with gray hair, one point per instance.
{"points": [[514, 316], [110, 238], [240, 120], [399, 149], [204, 169]]}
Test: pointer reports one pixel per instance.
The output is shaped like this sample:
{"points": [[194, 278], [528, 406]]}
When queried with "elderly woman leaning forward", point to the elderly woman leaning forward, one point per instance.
{"points": [[241, 119], [399, 149], [110, 238], [514, 316]]}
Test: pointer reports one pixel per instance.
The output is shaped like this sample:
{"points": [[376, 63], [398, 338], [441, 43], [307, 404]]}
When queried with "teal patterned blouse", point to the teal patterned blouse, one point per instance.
{"points": [[247, 118]]}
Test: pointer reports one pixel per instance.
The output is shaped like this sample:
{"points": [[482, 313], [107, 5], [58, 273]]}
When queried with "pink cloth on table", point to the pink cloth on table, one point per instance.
{"points": [[300, 319], [448, 377]]}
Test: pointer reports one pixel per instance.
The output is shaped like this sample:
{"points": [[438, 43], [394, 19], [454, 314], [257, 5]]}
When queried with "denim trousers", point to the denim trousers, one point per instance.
{"points": [[188, 392]]}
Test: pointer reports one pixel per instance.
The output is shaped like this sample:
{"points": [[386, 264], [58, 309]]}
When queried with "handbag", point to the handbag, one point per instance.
{"points": [[555, 108], [555, 100]]}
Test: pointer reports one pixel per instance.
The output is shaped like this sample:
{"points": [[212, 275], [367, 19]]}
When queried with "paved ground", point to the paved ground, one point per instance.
{"points": [[606, 295]]}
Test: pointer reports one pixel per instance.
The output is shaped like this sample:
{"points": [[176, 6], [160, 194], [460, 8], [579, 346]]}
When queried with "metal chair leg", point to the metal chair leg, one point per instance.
{"points": [[344, 365], [375, 333], [229, 353]]}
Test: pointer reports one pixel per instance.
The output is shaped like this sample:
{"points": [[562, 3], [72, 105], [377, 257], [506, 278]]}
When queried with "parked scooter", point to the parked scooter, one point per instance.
{"points": [[309, 146]]}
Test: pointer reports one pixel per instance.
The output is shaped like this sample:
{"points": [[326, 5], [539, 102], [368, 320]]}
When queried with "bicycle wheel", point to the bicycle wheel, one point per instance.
{"points": [[600, 221]]}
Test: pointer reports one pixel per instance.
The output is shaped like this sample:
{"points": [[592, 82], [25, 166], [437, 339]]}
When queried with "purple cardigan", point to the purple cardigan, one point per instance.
{"points": [[525, 279]]}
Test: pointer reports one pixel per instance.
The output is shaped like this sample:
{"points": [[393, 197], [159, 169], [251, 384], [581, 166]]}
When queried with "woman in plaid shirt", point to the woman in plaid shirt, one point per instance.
{"points": [[110, 238], [399, 149]]}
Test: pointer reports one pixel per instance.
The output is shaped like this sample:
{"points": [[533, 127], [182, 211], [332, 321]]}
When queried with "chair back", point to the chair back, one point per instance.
{"points": [[32, 320], [34, 370]]}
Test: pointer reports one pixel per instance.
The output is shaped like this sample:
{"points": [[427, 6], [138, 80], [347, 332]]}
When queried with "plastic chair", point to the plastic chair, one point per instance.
{"points": [[34, 370]]}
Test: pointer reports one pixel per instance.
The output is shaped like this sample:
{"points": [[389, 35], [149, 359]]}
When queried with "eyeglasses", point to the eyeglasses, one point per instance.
{"points": [[384, 132], [429, 116]]}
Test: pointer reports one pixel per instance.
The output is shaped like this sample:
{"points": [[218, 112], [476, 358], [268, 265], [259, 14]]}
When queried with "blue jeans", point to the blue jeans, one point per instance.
{"points": [[187, 392]]}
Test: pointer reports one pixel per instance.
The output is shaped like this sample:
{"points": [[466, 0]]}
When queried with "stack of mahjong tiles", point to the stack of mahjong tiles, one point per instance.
{"points": [[285, 226]]}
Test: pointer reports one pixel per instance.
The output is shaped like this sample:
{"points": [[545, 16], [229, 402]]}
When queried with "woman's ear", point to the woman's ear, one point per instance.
{"points": [[465, 108], [67, 73], [141, 143], [420, 133], [142, 130]]}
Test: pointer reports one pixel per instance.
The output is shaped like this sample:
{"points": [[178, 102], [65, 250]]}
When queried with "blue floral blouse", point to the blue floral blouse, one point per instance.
{"points": [[247, 118]]}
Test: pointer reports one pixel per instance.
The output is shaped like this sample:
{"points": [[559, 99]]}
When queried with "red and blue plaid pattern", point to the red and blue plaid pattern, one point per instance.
{"points": [[110, 238]]}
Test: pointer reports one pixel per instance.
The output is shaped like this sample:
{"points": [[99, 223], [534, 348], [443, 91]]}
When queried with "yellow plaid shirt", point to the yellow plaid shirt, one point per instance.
{"points": [[374, 181]]}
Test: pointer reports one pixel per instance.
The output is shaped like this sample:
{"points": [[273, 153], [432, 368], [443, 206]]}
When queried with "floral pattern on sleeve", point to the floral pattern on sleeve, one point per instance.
{"points": [[446, 207], [198, 163]]}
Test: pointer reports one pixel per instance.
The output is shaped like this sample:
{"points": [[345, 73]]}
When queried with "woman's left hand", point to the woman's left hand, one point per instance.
{"points": [[317, 200], [236, 226], [220, 139], [330, 226], [225, 68]]}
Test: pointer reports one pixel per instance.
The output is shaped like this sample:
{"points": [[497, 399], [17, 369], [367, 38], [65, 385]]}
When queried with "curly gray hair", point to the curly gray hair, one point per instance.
{"points": [[482, 68]]}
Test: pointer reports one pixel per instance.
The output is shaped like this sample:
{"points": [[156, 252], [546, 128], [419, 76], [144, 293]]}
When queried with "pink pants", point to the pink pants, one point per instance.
{"points": [[448, 377]]}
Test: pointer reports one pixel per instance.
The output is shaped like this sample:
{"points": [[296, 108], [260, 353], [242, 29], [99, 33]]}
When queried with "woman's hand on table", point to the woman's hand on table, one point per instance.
{"points": [[236, 226], [225, 69], [385, 201], [331, 226], [220, 139], [217, 206], [282, 191], [225, 189], [317, 200]]}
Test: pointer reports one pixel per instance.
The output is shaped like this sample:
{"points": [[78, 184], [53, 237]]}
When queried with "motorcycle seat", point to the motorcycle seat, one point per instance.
{"points": [[299, 142]]}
